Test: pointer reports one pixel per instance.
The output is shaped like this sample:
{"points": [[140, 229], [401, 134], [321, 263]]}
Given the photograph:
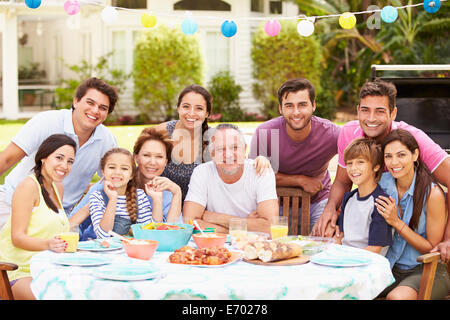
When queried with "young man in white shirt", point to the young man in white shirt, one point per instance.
{"points": [[228, 187], [94, 100]]}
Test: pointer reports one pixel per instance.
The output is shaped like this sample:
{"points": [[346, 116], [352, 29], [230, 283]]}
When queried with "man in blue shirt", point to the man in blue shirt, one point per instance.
{"points": [[94, 100]]}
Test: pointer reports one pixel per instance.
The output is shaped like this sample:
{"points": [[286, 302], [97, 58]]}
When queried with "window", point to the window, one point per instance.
{"points": [[257, 6], [275, 7], [119, 46], [211, 5], [217, 53], [130, 4]]}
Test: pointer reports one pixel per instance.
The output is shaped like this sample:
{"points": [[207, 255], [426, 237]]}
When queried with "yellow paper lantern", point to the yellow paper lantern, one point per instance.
{"points": [[347, 20], [148, 21]]}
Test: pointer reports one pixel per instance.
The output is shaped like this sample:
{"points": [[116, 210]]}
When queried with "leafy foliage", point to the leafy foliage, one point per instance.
{"points": [[165, 61], [278, 59], [102, 69], [226, 92]]}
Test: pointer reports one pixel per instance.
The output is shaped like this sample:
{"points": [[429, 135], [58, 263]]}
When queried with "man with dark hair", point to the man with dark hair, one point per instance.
{"points": [[229, 187], [376, 118], [93, 101], [299, 145]]}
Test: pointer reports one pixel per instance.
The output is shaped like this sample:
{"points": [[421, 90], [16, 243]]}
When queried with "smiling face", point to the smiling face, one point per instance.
{"points": [[58, 164], [399, 160], [91, 110], [375, 117], [228, 151], [151, 159], [361, 171], [297, 110], [118, 169], [192, 110]]}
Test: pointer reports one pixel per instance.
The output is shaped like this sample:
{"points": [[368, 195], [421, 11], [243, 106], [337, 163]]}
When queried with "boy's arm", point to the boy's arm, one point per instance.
{"points": [[375, 249]]}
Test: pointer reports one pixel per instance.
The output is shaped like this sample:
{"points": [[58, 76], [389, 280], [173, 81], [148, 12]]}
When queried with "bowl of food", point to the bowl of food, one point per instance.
{"points": [[140, 249], [209, 240], [310, 245], [170, 236]]}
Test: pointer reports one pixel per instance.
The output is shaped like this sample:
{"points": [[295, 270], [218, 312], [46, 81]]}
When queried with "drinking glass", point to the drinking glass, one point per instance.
{"points": [[71, 237], [279, 227], [237, 230]]}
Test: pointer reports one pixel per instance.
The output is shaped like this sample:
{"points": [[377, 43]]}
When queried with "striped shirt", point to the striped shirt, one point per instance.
{"points": [[97, 207]]}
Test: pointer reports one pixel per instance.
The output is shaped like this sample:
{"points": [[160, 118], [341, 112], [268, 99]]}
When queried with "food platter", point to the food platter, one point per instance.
{"points": [[302, 259], [235, 256]]}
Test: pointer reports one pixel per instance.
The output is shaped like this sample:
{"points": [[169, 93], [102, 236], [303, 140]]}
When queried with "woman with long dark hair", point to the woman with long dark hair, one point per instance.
{"points": [[37, 216], [190, 136], [416, 210]]}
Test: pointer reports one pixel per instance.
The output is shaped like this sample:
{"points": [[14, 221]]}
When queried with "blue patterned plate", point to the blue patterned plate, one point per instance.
{"points": [[344, 261], [95, 246], [127, 272], [83, 260]]}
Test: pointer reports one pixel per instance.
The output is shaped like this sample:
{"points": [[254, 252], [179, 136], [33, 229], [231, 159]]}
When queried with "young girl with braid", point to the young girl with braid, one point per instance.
{"points": [[37, 215], [125, 203]]}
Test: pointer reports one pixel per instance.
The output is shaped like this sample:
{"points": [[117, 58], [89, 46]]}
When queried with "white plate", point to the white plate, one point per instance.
{"points": [[95, 246], [82, 260], [127, 272], [343, 261]]}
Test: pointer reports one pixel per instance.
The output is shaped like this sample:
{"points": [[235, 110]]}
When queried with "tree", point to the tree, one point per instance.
{"points": [[280, 58], [165, 61]]}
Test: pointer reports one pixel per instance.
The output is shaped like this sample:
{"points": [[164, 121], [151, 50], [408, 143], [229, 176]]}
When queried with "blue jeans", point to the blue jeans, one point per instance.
{"points": [[121, 226]]}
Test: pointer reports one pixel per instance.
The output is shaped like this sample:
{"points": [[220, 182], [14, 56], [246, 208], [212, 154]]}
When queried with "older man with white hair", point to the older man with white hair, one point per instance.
{"points": [[229, 187]]}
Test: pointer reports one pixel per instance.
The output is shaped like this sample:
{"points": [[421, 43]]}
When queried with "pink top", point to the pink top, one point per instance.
{"points": [[430, 152]]}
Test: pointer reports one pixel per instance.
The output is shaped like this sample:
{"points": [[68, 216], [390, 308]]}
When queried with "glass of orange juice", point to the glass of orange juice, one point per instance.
{"points": [[279, 227], [237, 229], [71, 237]]}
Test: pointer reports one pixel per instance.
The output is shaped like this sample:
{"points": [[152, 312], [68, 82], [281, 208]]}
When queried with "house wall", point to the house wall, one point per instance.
{"points": [[92, 38]]}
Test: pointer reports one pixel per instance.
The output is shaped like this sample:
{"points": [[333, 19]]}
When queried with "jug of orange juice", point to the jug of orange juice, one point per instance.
{"points": [[71, 237]]}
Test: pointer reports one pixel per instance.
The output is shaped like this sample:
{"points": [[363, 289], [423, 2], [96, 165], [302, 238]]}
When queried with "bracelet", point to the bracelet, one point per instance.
{"points": [[401, 229]]}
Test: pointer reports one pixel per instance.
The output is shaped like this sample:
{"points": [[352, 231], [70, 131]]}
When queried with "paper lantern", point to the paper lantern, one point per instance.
{"points": [[272, 27], [228, 28], [431, 6], [33, 4], [389, 14], [148, 21], [189, 26], [72, 7], [305, 28], [347, 20], [109, 14]]}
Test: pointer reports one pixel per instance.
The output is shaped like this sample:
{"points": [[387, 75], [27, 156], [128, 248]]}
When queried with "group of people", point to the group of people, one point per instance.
{"points": [[184, 170]]}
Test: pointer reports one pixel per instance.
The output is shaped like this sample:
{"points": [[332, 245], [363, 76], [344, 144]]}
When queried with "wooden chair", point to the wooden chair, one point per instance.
{"points": [[290, 197], [5, 288], [430, 261]]}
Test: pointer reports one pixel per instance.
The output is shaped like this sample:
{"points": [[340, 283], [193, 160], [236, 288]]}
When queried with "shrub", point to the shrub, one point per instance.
{"points": [[165, 61], [84, 70], [278, 59], [225, 92]]}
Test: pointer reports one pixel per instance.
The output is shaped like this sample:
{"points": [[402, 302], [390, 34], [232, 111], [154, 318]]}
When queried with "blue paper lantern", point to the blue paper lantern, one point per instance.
{"points": [[431, 6], [189, 26], [389, 14], [33, 4], [228, 28]]}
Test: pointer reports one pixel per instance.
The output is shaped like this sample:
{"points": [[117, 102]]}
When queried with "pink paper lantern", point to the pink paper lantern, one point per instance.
{"points": [[72, 7], [272, 27]]}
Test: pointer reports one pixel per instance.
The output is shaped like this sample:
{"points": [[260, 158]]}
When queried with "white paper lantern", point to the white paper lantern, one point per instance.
{"points": [[305, 28], [109, 14]]}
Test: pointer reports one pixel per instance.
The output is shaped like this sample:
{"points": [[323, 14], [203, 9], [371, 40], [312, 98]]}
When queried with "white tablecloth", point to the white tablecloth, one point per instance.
{"points": [[239, 280]]}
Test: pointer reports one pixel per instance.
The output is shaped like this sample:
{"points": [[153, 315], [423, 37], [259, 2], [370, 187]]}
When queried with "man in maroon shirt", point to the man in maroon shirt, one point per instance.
{"points": [[299, 145]]}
